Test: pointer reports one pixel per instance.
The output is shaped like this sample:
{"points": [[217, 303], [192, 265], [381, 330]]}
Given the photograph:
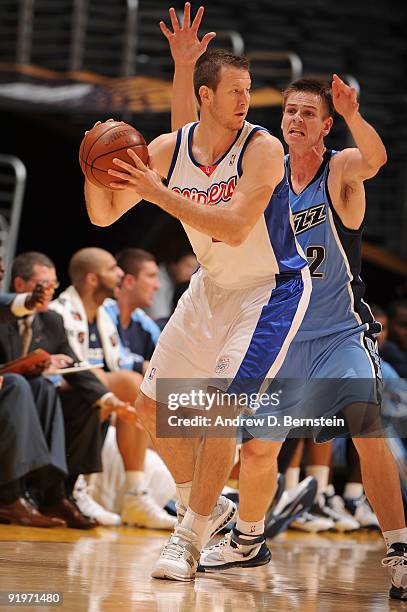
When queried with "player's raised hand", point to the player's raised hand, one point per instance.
{"points": [[184, 43], [147, 183], [344, 98]]}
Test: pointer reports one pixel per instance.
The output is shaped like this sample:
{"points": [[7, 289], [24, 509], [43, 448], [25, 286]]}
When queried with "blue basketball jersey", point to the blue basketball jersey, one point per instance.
{"points": [[334, 258]]}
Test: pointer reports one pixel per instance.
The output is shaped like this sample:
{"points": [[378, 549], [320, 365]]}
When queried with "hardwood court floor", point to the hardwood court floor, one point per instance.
{"points": [[107, 569]]}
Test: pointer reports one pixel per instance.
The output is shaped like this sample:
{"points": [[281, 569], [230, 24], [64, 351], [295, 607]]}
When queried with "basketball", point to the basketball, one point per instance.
{"points": [[102, 144]]}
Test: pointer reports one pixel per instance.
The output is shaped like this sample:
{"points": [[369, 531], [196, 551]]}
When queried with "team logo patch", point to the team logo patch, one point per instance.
{"points": [[81, 337], [222, 365], [152, 373], [311, 217]]}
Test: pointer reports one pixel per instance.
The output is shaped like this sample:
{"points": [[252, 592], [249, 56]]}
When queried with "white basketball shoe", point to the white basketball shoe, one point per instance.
{"points": [[141, 510], [179, 558]]}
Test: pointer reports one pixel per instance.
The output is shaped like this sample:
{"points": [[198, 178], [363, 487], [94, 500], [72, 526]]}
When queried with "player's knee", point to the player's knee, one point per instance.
{"points": [[259, 453], [146, 410]]}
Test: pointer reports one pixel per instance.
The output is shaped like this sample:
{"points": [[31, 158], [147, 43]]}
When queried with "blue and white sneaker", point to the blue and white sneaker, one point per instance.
{"points": [[396, 562], [234, 551]]}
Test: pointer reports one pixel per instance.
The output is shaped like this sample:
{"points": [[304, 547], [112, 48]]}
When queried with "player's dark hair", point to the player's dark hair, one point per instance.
{"points": [[23, 265], [130, 260], [395, 306], [208, 66], [314, 86]]}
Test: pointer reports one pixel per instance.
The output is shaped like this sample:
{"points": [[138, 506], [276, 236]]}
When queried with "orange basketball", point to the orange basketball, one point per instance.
{"points": [[102, 144]]}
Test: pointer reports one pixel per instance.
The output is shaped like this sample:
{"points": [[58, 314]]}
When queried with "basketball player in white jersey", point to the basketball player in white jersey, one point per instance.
{"points": [[331, 334], [237, 320]]}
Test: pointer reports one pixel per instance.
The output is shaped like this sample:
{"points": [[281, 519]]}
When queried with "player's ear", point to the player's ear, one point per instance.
{"points": [[328, 122], [204, 93]]}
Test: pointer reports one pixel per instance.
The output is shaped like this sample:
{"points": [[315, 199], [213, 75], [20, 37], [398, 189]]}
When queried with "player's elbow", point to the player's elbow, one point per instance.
{"points": [[383, 158], [380, 159], [374, 165], [238, 236]]}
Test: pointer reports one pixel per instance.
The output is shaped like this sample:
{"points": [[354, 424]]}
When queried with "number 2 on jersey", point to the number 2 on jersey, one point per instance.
{"points": [[315, 256]]}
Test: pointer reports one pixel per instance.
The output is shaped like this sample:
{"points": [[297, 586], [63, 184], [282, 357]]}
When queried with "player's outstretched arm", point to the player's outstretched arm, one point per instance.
{"points": [[230, 224], [105, 206], [185, 48], [365, 161]]}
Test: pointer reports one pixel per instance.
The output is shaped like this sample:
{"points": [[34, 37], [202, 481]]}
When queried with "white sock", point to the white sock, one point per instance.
{"points": [[353, 490], [135, 481], [321, 474], [292, 477], [250, 528], [184, 492], [196, 523], [396, 535]]}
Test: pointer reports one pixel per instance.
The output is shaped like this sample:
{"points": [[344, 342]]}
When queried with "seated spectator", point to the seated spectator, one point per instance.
{"points": [[95, 276], [394, 349], [32, 437], [138, 333], [174, 277], [85, 398]]}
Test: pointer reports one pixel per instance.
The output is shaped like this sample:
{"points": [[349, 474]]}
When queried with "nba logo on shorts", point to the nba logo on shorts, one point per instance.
{"points": [[151, 373], [222, 365]]}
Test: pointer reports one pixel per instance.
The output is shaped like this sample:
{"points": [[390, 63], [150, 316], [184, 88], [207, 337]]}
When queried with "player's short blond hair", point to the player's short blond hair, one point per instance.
{"points": [[207, 69]]}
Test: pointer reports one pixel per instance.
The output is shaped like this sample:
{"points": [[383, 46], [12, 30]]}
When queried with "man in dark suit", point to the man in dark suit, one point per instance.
{"points": [[85, 399], [32, 448], [30, 410]]}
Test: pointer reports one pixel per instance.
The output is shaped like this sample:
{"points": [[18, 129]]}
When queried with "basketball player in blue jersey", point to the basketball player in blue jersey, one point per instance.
{"points": [[246, 302], [336, 339]]}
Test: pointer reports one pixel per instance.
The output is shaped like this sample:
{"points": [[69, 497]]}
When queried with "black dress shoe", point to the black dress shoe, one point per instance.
{"points": [[22, 512], [68, 511]]}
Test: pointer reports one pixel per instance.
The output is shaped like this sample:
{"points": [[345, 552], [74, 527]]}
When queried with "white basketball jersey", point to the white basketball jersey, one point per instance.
{"points": [[270, 248]]}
